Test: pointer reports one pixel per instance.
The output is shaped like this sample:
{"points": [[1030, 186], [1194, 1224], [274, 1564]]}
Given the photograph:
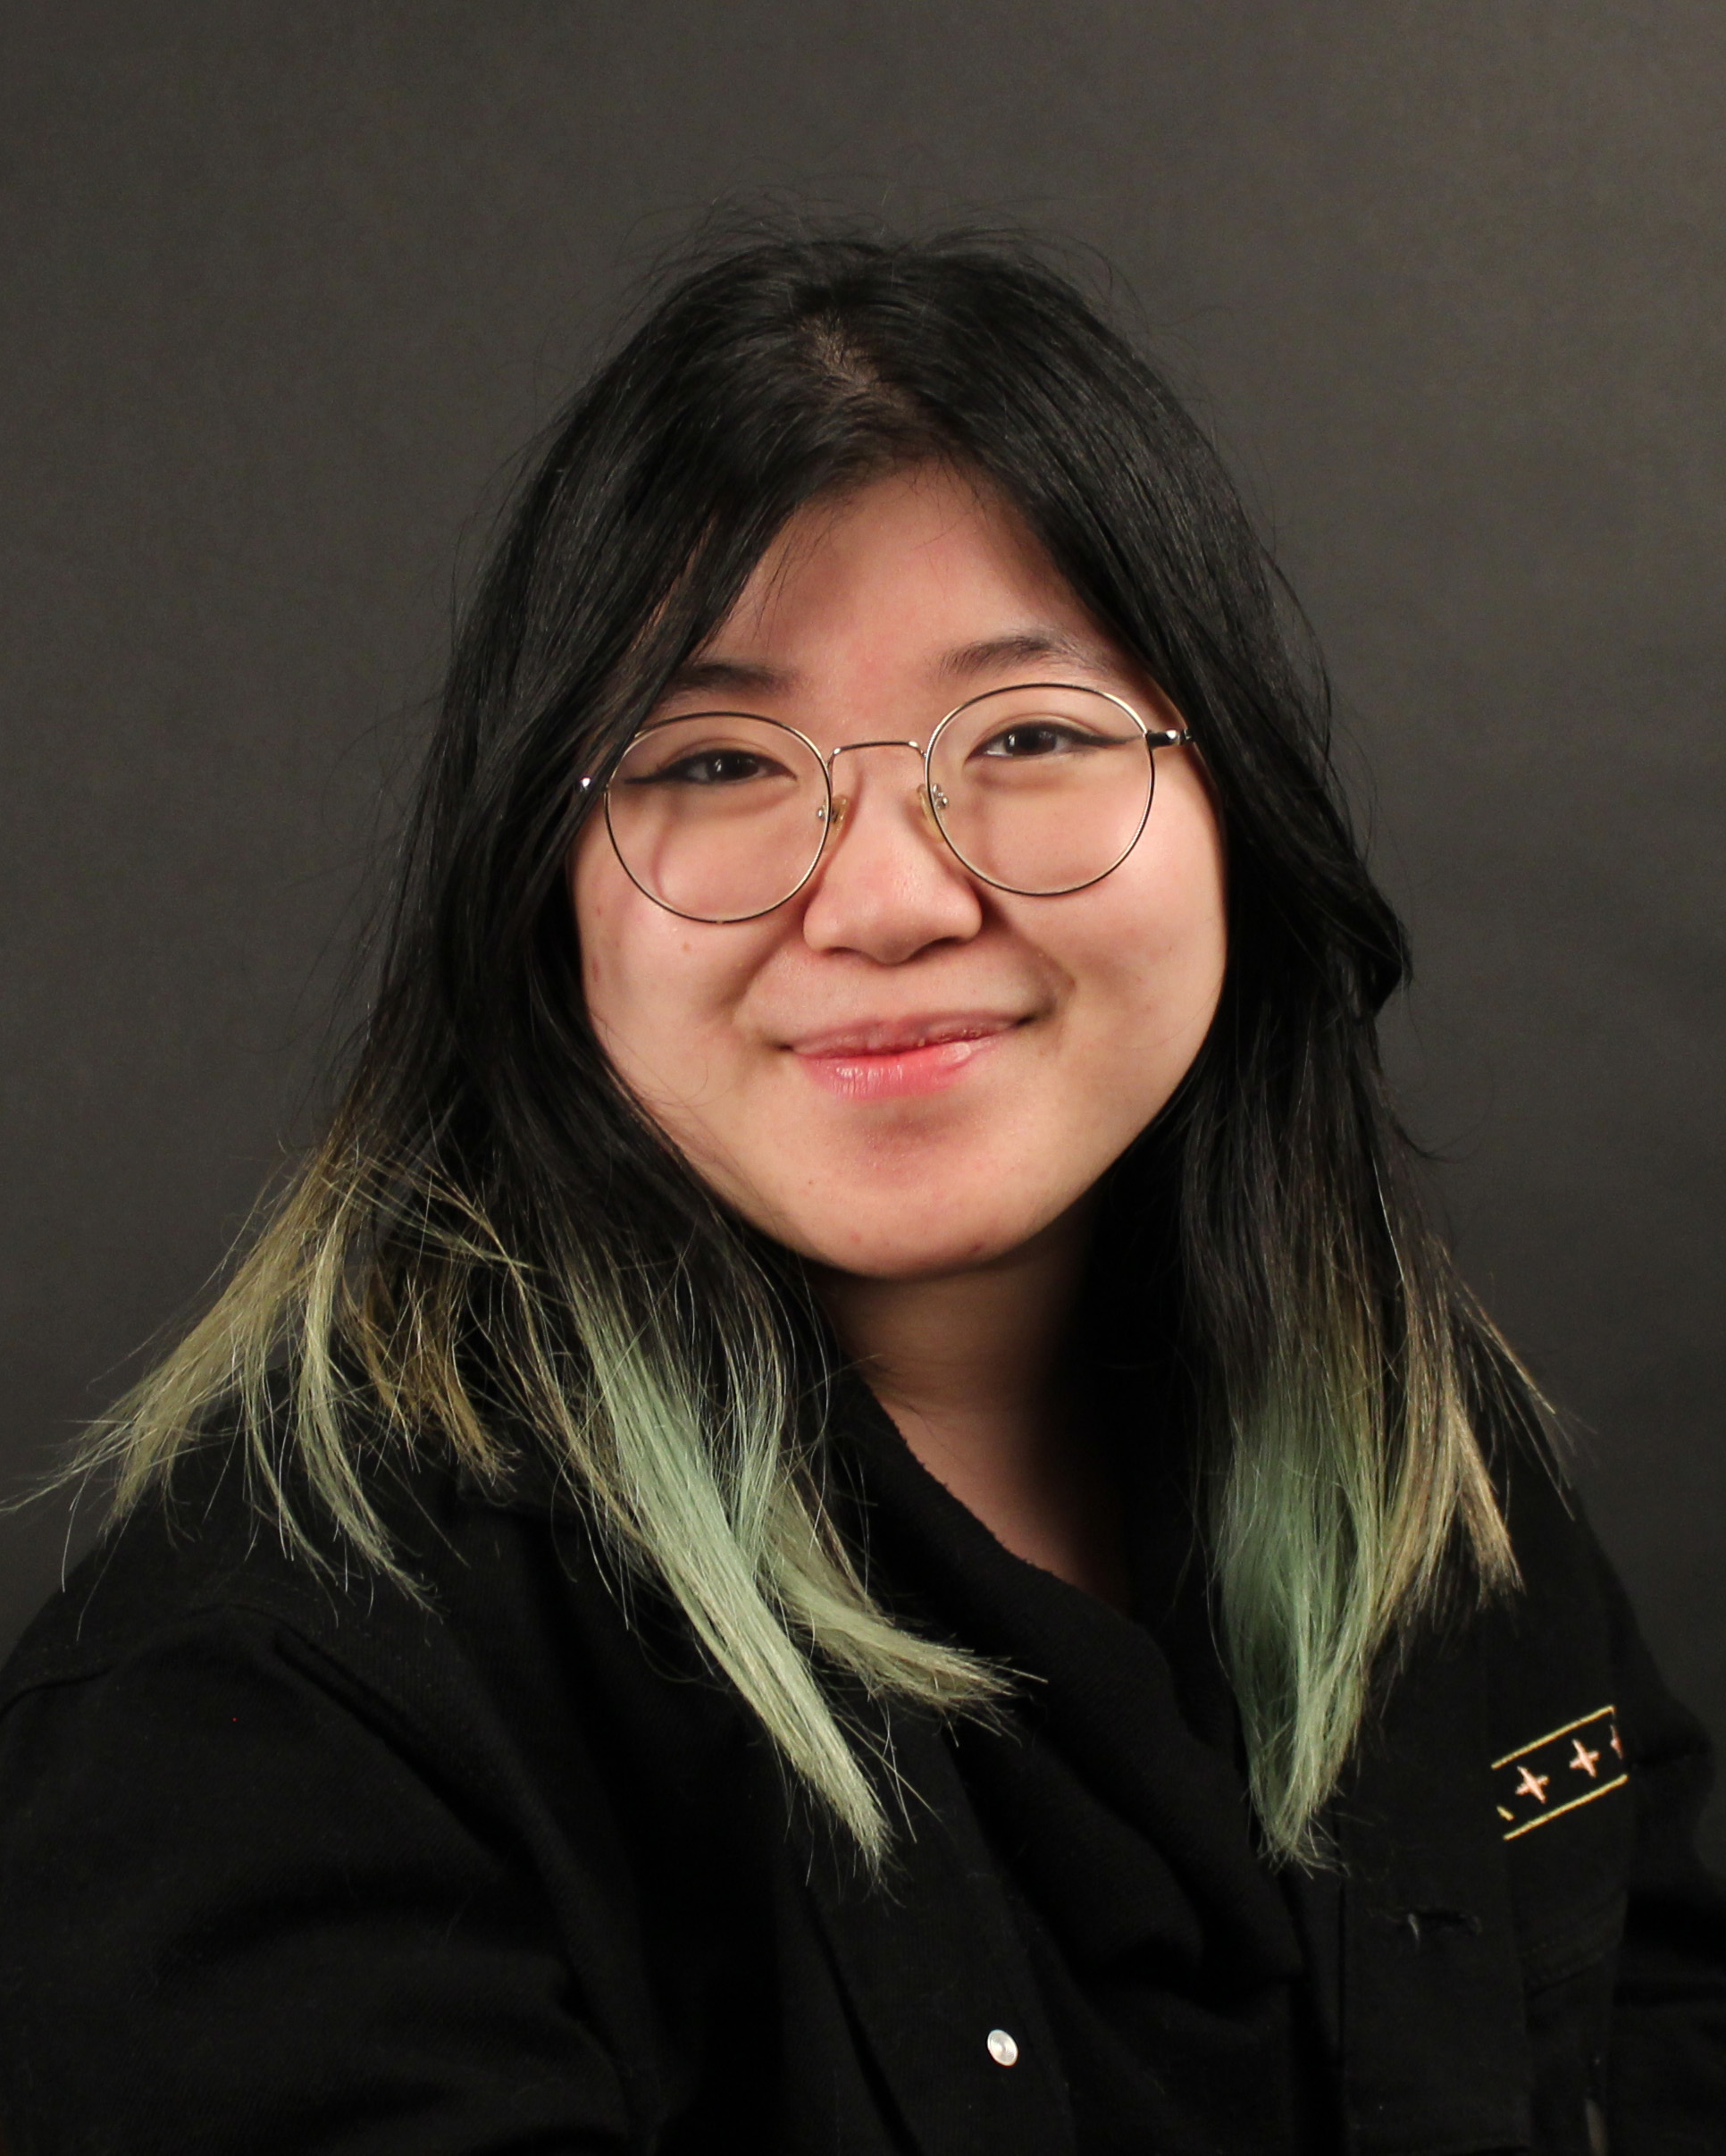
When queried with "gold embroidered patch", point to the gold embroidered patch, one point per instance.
{"points": [[1567, 1767]]}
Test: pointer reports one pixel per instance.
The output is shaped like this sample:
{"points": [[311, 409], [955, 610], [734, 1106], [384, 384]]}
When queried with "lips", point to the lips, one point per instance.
{"points": [[895, 1059], [900, 1037]]}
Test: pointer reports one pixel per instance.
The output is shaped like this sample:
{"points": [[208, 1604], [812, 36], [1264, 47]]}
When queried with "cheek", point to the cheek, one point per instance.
{"points": [[659, 991], [601, 909], [1161, 959], [1147, 975]]}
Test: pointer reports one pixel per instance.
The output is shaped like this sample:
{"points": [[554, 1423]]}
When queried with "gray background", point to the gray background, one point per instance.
{"points": [[283, 288]]}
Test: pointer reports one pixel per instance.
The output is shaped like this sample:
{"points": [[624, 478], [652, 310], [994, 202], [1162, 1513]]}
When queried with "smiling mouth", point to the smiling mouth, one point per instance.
{"points": [[903, 1036], [894, 1060]]}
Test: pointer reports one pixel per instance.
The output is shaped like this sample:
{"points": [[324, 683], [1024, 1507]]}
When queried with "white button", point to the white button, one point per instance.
{"points": [[1002, 2049]]}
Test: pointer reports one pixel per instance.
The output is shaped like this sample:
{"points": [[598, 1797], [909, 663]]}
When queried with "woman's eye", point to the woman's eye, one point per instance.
{"points": [[713, 767], [1039, 737]]}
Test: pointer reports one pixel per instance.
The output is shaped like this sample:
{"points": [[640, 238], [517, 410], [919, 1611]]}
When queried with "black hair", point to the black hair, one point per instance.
{"points": [[491, 1185]]}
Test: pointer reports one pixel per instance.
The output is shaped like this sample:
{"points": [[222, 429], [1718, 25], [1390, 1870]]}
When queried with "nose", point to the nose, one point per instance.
{"points": [[888, 885]]}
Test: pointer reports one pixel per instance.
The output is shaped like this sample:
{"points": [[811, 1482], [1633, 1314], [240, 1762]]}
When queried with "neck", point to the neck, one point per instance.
{"points": [[970, 1366]]}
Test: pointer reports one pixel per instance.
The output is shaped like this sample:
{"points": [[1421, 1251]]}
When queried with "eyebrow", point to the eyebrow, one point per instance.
{"points": [[1021, 647], [704, 676]]}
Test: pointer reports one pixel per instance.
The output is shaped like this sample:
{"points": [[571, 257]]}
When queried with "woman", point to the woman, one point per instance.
{"points": [[851, 1508]]}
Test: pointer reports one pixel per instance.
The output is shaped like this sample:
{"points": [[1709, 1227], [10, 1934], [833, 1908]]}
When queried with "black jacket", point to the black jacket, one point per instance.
{"points": [[291, 1866]]}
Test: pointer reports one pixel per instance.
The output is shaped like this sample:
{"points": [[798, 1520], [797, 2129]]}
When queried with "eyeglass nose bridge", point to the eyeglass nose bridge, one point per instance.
{"points": [[834, 815]]}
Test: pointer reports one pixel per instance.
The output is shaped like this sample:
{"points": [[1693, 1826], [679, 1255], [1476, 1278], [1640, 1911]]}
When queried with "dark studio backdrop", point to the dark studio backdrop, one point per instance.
{"points": [[284, 287]]}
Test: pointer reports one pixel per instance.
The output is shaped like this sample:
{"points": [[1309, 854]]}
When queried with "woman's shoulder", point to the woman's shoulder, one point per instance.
{"points": [[208, 1539], [1566, 1635], [233, 1772], [504, 1629]]}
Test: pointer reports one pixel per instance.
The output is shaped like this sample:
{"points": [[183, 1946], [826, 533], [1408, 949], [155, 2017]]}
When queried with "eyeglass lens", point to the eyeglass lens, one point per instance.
{"points": [[1038, 790]]}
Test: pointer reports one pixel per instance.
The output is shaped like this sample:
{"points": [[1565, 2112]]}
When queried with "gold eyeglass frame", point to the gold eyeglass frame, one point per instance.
{"points": [[931, 795]]}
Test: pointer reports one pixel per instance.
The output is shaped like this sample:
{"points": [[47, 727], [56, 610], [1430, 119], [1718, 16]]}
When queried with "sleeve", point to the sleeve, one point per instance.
{"points": [[235, 1920], [1668, 2062]]}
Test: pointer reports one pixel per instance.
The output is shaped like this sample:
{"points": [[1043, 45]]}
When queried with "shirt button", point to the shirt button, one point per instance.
{"points": [[1002, 2049]]}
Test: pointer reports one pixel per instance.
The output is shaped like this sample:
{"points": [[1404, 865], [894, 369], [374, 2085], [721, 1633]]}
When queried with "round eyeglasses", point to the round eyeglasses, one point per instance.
{"points": [[1039, 789]]}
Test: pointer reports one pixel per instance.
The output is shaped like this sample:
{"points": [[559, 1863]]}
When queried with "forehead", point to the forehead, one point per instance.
{"points": [[926, 572]]}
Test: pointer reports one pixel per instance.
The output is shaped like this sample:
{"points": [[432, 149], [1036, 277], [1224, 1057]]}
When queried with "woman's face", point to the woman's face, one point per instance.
{"points": [[902, 1072]]}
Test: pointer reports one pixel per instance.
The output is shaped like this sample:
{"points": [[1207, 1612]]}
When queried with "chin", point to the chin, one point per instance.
{"points": [[893, 1249]]}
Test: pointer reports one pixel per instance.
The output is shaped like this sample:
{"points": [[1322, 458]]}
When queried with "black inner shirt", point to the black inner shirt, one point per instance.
{"points": [[1114, 1799]]}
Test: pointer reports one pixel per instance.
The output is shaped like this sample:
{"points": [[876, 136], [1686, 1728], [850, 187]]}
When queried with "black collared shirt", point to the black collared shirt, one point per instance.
{"points": [[290, 1863]]}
